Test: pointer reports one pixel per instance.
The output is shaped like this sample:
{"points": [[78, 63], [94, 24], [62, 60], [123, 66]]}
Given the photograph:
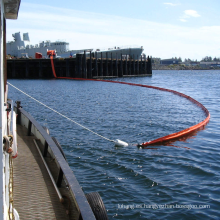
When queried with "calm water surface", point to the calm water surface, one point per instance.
{"points": [[167, 182]]}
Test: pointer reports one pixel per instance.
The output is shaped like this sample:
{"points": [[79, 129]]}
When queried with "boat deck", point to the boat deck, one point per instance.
{"points": [[34, 194]]}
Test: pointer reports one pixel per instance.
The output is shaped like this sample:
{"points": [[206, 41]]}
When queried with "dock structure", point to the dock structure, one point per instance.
{"points": [[82, 66]]}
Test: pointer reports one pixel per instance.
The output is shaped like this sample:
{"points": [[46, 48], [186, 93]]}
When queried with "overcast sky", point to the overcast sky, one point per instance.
{"points": [[178, 28]]}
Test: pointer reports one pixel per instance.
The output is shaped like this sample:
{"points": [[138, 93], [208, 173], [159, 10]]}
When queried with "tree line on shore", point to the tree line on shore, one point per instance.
{"points": [[156, 61], [205, 59]]}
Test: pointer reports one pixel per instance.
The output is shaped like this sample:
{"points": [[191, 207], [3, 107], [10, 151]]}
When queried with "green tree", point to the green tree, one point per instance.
{"points": [[180, 59]]}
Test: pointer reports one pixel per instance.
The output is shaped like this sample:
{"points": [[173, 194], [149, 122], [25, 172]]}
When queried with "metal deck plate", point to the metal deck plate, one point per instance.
{"points": [[34, 194]]}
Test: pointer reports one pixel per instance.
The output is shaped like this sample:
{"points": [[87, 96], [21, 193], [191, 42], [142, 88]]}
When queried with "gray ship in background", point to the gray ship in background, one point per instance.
{"points": [[22, 48]]}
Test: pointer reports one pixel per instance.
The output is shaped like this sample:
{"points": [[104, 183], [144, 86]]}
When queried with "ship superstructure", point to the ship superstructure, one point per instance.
{"points": [[19, 47], [23, 48]]}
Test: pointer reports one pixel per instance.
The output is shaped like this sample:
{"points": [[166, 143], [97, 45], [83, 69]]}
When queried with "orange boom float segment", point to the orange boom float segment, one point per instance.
{"points": [[178, 135], [186, 132]]}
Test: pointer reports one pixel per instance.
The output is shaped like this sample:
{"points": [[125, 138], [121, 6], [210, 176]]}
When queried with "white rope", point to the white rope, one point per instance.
{"points": [[60, 114]]}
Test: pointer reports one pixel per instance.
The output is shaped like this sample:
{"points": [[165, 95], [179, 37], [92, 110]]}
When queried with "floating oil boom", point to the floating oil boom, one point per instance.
{"points": [[170, 137]]}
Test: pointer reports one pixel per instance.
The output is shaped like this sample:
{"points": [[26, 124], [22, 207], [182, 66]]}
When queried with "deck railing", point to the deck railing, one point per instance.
{"points": [[50, 146]]}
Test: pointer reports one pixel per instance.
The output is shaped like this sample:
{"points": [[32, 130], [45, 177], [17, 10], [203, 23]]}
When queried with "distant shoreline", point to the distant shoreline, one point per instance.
{"points": [[178, 67]]}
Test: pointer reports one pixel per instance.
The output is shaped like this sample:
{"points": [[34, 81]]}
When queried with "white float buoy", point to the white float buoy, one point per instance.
{"points": [[120, 143]]}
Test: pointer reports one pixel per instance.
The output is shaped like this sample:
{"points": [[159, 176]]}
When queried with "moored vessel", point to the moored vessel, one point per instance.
{"points": [[22, 48], [36, 180]]}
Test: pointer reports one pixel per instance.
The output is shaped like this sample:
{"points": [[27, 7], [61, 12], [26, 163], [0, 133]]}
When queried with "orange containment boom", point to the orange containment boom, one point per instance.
{"points": [[51, 52], [178, 135], [171, 137], [185, 132], [53, 69]]}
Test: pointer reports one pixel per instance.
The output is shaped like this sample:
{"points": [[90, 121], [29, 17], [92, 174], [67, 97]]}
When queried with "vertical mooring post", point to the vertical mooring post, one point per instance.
{"points": [[126, 67], [101, 67], [90, 65], [84, 66], [96, 64], [145, 63], [106, 62], [79, 65], [67, 67], [133, 65], [137, 65], [60, 68], [116, 65], [74, 69], [40, 69], [149, 66], [111, 65], [141, 66], [121, 67], [129, 65], [27, 69]]}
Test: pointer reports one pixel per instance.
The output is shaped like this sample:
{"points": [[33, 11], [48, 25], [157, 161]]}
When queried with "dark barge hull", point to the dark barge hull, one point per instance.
{"points": [[79, 67]]}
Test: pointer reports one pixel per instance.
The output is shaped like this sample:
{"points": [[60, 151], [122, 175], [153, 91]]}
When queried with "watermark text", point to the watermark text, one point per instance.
{"points": [[162, 206]]}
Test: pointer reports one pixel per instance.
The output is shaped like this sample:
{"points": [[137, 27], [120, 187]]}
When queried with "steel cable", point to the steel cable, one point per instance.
{"points": [[61, 114]]}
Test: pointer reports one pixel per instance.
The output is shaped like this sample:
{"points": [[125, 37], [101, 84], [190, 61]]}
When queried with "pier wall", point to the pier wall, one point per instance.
{"points": [[79, 67]]}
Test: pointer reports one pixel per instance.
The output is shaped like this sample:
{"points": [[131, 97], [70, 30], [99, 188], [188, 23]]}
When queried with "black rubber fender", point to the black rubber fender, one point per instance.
{"points": [[97, 205]]}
